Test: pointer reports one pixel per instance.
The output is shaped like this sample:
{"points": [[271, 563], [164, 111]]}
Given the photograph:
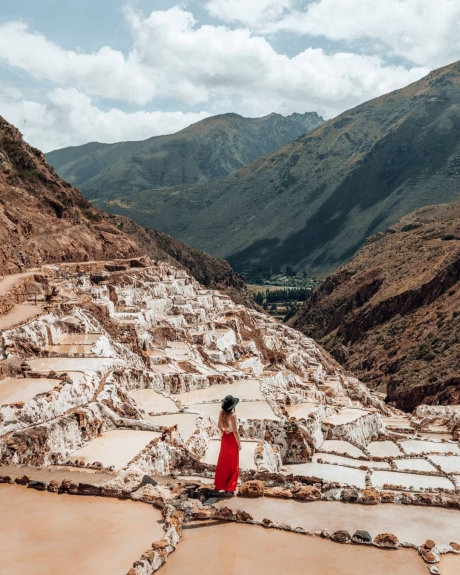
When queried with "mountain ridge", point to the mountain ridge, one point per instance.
{"points": [[210, 148], [313, 203]]}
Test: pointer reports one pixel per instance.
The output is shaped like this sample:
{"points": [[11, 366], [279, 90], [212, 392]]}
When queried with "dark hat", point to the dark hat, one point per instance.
{"points": [[229, 403]]}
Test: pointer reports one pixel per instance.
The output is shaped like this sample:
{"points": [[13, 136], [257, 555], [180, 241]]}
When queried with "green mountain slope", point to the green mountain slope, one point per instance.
{"points": [[80, 163], [313, 203], [209, 149]]}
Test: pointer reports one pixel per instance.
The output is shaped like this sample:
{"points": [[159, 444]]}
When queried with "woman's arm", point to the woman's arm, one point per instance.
{"points": [[219, 423], [235, 430]]}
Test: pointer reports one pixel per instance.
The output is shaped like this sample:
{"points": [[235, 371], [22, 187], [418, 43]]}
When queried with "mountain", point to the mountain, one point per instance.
{"points": [[209, 149], [313, 203], [391, 314], [45, 220], [77, 164]]}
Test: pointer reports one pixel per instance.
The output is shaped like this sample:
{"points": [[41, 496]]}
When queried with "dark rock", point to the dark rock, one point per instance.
{"points": [[362, 535], [38, 485], [88, 489]]}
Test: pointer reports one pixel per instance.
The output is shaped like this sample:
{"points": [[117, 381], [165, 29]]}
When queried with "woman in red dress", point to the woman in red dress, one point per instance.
{"points": [[228, 464]]}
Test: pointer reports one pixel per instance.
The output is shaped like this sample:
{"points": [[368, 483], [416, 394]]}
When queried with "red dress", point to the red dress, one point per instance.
{"points": [[228, 464]]}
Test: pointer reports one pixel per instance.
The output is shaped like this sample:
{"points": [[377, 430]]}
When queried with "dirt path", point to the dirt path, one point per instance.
{"points": [[8, 282], [19, 314]]}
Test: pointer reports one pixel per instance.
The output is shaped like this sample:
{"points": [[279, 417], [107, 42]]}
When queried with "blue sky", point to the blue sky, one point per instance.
{"points": [[111, 70]]}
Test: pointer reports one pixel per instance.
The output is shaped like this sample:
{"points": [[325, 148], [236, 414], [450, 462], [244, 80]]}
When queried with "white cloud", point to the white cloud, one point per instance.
{"points": [[247, 12], [70, 119], [424, 31], [104, 73], [173, 57], [206, 63]]}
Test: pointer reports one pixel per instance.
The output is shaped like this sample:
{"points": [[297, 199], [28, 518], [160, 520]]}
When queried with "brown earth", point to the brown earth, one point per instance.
{"points": [[391, 314], [44, 220]]}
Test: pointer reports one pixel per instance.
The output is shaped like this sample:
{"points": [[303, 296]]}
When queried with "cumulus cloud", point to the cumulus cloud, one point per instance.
{"points": [[248, 13], [104, 73], [421, 31], [199, 63], [70, 119], [231, 67], [174, 57]]}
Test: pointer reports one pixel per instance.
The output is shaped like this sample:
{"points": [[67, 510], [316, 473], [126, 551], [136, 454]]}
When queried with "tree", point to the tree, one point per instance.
{"points": [[259, 298]]}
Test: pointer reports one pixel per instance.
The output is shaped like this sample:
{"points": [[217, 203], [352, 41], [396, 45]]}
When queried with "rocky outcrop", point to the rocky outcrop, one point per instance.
{"points": [[390, 314]]}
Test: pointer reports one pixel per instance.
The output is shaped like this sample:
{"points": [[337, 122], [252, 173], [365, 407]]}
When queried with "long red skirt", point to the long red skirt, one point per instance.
{"points": [[228, 464]]}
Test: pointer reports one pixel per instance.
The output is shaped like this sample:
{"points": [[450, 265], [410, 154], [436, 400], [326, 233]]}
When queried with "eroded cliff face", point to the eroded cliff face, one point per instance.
{"points": [[390, 315]]}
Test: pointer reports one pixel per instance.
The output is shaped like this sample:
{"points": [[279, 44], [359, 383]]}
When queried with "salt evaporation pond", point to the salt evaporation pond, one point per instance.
{"points": [[230, 549], [448, 464], [80, 339], [72, 363], [301, 410], [346, 415], [153, 402], [246, 453], [24, 389], [115, 447], [340, 460], [411, 481], [244, 410], [338, 473], [432, 435], [55, 534], [384, 449], [186, 422], [415, 465], [59, 473], [450, 565], [416, 446], [409, 523], [342, 447], [243, 389]]}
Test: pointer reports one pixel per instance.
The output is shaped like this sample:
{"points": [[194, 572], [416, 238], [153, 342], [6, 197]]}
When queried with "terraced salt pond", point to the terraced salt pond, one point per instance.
{"points": [[61, 364], [409, 523], [418, 446], [243, 389], [384, 449], [246, 453], [340, 460], [24, 389], [450, 565], [342, 447], [346, 415], [186, 422], [448, 464], [230, 549], [415, 465], [153, 402], [244, 410], [80, 343], [301, 410], [56, 534], [115, 447], [412, 481], [336, 473]]}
